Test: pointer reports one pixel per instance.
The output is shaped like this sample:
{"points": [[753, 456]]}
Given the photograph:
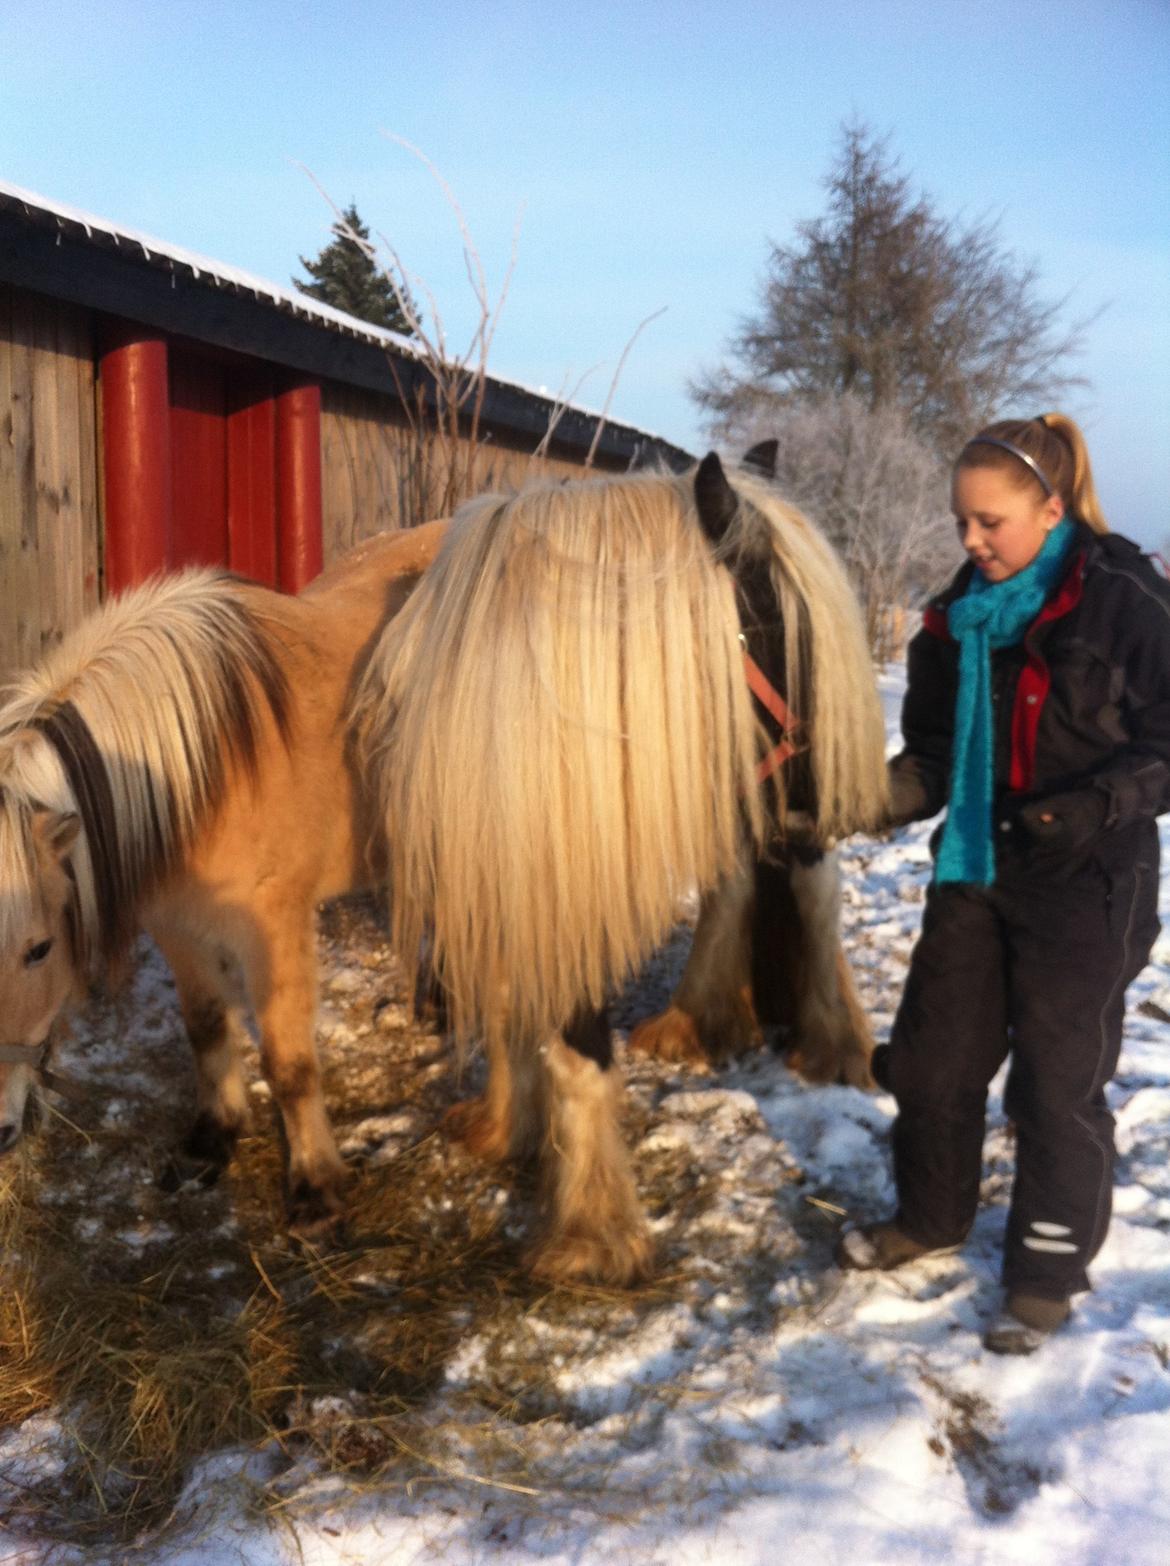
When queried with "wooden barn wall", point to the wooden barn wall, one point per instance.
{"points": [[49, 511], [369, 462]]}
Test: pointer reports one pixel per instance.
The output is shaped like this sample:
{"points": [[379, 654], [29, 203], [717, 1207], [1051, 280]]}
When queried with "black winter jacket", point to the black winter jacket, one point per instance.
{"points": [[1082, 704]]}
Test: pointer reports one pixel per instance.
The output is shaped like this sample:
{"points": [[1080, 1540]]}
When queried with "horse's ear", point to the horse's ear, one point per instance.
{"points": [[714, 497], [762, 457], [55, 832]]}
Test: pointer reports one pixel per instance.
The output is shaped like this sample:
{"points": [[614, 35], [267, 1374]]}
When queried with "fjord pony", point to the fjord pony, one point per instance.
{"points": [[562, 741], [180, 764]]}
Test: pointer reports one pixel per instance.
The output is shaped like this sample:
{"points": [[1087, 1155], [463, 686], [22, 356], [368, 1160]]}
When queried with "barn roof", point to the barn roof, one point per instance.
{"points": [[67, 253]]}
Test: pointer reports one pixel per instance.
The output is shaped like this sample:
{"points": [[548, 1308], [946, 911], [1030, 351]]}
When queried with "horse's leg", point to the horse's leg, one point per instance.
{"points": [[710, 1015], [280, 962], [214, 1026], [505, 1121], [594, 1227], [832, 1038]]}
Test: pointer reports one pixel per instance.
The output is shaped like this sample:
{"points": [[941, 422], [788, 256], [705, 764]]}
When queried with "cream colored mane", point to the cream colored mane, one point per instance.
{"points": [[563, 741], [131, 724]]}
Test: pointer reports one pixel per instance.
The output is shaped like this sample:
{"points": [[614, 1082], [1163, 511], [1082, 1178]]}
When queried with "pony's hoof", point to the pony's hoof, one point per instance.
{"points": [[846, 1064], [480, 1132], [568, 1259], [316, 1213], [672, 1036], [206, 1152]]}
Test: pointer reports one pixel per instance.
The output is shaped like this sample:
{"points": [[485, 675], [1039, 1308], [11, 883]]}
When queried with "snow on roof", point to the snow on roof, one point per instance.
{"points": [[218, 274], [100, 231]]}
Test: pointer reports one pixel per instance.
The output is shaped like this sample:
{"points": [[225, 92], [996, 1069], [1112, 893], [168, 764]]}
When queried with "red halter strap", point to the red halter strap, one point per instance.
{"points": [[771, 700]]}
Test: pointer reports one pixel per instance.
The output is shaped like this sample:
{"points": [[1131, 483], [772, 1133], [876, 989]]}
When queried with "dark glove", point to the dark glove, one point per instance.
{"points": [[1063, 824], [908, 800]]}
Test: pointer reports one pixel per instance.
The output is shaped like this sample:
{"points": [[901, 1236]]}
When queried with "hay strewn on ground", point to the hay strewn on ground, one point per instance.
{"points": [[154, 1329]]}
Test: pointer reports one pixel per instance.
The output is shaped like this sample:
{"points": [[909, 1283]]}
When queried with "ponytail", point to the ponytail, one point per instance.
{"points": [[1081, 499]]}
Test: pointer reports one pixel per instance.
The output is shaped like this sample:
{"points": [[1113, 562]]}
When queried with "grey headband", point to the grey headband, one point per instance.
{"points": [[1006, 445]]}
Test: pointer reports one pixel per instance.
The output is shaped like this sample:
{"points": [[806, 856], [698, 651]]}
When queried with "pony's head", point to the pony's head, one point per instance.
{"points": [[38, 971]]}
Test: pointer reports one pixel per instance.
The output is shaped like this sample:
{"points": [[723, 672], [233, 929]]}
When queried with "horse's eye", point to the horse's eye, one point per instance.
{"points": [[37, 954]]}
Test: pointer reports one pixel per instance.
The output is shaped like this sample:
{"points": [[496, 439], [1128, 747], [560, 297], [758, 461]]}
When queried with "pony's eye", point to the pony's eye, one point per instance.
{"points": [[37, 954]]}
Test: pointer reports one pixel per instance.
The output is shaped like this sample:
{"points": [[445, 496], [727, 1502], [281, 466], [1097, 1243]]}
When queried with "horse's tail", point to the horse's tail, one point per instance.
{"points": [[141, 717]]}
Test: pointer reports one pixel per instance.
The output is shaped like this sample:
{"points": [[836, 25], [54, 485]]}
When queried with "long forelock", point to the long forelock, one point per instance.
{"points": [[829, 670]]}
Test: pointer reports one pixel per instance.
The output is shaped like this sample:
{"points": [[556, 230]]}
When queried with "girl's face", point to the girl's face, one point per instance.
{"points": [[1002, 526]]}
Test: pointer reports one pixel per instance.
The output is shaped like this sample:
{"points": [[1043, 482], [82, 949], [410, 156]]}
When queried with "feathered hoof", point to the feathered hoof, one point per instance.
{"points": [[831, 1062], [671, 1036], [473, 1124], [590, 1258]]}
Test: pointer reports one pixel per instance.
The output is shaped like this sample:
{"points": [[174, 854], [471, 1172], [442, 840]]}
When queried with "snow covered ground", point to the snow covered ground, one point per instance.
{"points": [[759, 1406]]}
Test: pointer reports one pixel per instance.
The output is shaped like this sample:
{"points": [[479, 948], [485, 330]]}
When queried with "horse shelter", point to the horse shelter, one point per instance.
{"points": [[159, 409]]}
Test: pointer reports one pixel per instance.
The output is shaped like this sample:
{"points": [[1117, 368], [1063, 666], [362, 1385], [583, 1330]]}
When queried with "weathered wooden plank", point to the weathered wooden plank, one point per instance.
{"points": [[20, 629], [377, 476]]}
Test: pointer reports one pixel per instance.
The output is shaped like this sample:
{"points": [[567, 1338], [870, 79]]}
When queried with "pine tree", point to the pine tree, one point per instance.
{"points": [[885, 300], [346, 276]]}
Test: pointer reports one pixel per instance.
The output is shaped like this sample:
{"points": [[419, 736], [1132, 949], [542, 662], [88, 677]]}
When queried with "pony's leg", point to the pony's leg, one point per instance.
{"points": [[594, 1227], [281, 965], [505, 1121], [832, 1038], [214, 1027], [711, 1015]]}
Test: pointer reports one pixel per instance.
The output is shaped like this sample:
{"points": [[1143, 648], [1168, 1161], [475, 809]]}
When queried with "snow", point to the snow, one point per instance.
{"points": [[763, 1406]]}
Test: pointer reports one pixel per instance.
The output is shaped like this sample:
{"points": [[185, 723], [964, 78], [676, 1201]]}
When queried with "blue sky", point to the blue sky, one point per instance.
{"points": [[651, 149]]}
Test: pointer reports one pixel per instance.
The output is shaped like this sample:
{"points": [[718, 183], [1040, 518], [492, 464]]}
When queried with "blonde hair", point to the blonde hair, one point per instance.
{"points": [[1056, 445], [563, 740]]}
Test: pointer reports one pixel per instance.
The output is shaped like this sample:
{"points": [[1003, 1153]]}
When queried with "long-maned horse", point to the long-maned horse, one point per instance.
{"points": [[181, 763], [563, 740]]}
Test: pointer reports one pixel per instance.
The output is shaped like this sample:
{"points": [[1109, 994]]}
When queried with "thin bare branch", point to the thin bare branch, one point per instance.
{"points": [[613, 383]]}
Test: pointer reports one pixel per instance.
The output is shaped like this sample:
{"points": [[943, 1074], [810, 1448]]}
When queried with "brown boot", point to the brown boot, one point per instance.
{"points": [[880, 1247], [1024, 1323]]}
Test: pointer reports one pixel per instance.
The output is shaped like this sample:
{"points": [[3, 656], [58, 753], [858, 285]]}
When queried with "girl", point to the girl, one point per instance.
{"points": [[1038, 710]]}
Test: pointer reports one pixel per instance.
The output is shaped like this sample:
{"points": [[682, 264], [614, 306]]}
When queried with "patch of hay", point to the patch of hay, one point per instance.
{"points": [[150, 1331]]}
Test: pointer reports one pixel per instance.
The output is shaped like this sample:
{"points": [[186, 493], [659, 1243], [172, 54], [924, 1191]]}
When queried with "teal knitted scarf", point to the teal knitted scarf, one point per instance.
{"points": [[989, 615]]}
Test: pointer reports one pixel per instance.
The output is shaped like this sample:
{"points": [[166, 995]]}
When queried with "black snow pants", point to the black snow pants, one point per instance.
{"points": [[1038, 966]]}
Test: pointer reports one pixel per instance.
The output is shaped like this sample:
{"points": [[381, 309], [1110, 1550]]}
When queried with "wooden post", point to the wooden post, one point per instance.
{"points": [[252, 479], [298, 486], [136, 447]]}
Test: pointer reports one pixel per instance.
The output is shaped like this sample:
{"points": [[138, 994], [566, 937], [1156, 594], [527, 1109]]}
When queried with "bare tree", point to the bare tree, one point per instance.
{"points": [[885, 299]]}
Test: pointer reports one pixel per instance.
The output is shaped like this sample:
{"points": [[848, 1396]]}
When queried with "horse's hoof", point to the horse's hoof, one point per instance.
{"points": [[673, 1036], [480, 1132], [316, 1213], [568, 1259], [831, 1063], [206, 1152]]}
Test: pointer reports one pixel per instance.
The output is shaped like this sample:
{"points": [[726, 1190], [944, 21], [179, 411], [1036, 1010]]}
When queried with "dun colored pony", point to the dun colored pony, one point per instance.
{"points": [[181, 763], [562, 740]]}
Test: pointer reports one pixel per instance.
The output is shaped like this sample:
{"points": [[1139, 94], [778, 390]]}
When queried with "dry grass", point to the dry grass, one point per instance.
{"points": [[154, 1330]]}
